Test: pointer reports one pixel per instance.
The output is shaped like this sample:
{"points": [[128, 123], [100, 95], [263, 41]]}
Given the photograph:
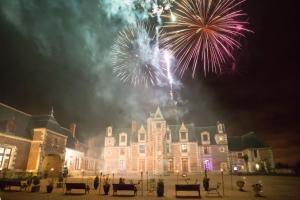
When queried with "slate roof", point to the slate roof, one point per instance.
{"points": [[247, 141], [194, 132], [25, 123]]}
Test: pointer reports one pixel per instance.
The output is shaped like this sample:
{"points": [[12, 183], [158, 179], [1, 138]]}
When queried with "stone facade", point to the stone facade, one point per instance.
{"points": [[161, 148], [38, 144]]}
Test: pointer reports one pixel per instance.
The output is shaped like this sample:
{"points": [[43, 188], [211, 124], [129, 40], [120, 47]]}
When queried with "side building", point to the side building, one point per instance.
{"points": [[37, 143]]}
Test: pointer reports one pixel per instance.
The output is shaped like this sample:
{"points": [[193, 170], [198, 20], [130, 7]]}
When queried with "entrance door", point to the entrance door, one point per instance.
{"points": [[185, 167], [170, 166], [142, 165]]}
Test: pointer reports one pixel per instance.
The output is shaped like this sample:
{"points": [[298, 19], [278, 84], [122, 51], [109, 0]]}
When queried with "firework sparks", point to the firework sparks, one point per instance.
{"points": [[206, 31], [134, 56]]}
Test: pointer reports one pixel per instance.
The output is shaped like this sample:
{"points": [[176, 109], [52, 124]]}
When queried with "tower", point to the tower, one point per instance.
{"points": [[156, 126]]}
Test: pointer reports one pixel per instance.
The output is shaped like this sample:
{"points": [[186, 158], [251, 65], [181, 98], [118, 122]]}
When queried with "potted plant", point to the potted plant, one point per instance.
{"points": [[240, 184], [106, 186], [257, 188], [206, 183], [36, 184], [50, 186], [160, 188], [96, 182]]}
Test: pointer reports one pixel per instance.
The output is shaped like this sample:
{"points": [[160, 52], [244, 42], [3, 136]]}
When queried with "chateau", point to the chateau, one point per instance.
{"points": [[38, 144], [159, 148]]}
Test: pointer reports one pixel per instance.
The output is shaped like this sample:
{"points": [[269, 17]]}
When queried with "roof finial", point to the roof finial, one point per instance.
{"points": [[52, 112]]}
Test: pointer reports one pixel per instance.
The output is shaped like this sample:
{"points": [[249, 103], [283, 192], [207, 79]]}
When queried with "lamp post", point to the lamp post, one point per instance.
{"points": [[82, 174], [113, 176], [177, 173], [222, 174], [100, 182], [147, 179], [142, 186]]}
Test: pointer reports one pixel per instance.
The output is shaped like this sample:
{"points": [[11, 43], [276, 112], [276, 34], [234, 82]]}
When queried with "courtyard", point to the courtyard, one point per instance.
{"points": [[274, 187]]}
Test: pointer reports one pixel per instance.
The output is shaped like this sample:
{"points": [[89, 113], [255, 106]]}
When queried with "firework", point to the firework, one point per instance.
{"points": [[205, 32], [135, 56]]}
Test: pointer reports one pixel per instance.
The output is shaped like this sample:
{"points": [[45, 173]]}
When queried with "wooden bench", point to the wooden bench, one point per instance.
{"points": [[8, 183], [127, 187], [83, 186], [188, 187], [214, 190]]}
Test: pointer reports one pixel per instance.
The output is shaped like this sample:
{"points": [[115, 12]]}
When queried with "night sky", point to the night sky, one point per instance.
{"points": [[56, 53]]}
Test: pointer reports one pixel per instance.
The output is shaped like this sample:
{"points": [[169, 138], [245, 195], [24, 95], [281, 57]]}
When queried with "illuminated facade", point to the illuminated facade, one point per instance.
{"points": [[38, 143], [160, 148]]}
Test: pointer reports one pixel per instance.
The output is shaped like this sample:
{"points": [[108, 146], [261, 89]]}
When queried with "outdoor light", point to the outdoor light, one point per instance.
{"points": [[52, 169], [257, 166], [221, 169], [235, 168]]}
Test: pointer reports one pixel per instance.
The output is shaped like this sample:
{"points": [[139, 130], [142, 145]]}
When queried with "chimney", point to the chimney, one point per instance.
{"points": [[134, 126], [73, 129]]}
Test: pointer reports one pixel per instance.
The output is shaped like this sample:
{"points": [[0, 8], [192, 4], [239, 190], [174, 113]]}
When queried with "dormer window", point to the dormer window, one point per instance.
{"points": [[142, 137], [183, 135], [205, 137], [123, 139]]}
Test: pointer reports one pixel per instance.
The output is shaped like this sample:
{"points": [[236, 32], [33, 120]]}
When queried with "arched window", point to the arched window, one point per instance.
{"points": [[205, 138]]}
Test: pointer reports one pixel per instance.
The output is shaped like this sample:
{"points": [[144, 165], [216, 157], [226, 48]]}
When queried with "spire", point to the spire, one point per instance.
{"points": [[183, 128], [52, 112], [142, 129], [158, 114]]}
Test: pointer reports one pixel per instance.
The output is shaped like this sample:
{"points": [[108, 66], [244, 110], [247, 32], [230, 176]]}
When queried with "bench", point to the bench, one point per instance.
{"points": [[8, 183], [188, 187], [127, 187], [83, 186], [214, 190]]}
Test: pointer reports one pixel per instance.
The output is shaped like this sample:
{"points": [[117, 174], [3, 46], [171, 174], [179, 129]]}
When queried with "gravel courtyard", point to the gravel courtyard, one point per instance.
{"points": [[274, 187]]}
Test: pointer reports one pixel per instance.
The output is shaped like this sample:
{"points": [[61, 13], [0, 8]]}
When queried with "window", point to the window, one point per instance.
{"points": [[5, 155], [123, 138], [121, 165], [168, 136], [240, 155], [158, 125], [77, 164], [142, 136], [255, 153], [205, 137], [184, 148], [222, 149], [205, 150], [142, 148], [168, 148], [183, 135], [122, 152]]}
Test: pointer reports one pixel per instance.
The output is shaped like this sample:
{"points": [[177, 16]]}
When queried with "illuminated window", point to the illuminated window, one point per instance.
{"points": [[5, 155], [183, 135], [142, 148], [184, 148]]}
